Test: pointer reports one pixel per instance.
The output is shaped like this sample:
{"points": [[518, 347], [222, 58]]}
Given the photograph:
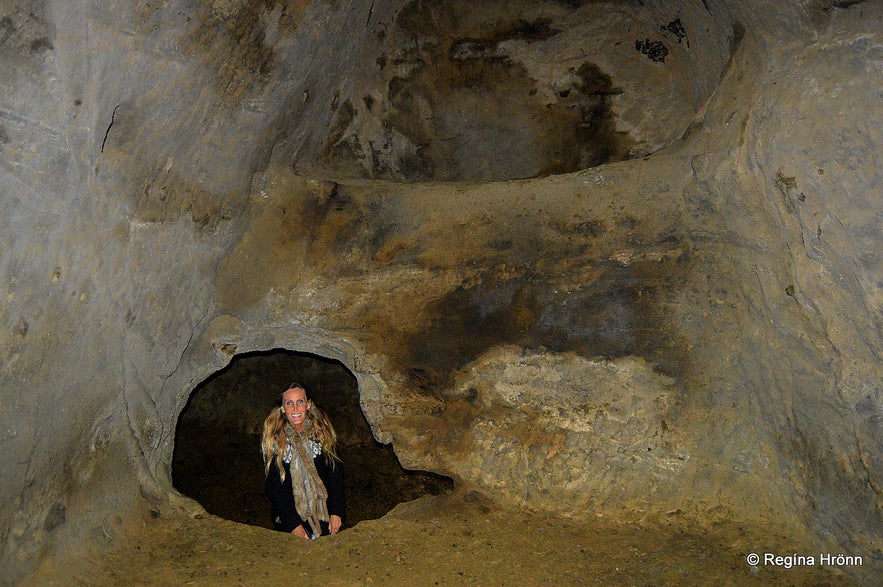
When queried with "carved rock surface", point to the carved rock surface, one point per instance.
{"points": [[677, 307]]}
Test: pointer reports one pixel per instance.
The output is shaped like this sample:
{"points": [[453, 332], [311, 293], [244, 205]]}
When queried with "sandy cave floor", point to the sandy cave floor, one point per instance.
{"points": [[456, 539]]}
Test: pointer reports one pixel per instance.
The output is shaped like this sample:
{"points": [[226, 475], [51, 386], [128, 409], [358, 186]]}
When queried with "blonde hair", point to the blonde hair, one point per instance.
{"points": [[273, 437]]}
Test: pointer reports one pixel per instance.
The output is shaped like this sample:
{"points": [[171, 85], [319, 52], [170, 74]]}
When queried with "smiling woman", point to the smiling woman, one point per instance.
{"points": [[304, 474]]}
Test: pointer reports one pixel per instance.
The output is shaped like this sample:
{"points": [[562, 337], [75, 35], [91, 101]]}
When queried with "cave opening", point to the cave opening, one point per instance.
{"points": [[217, 461]]}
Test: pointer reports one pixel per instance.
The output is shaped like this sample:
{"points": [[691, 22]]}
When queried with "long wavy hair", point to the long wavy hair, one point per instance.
{"points": [[273, 438]]}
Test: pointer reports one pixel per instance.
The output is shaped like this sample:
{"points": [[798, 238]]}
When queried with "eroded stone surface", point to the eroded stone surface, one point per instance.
{"points": [[490, 91], [173, 194]]}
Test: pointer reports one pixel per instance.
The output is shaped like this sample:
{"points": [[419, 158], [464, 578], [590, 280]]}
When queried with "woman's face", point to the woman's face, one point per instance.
{"points": [[295, 405]]}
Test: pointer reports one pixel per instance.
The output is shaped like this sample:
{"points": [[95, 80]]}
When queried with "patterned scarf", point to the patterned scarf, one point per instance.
{"points": [[310, 495]]}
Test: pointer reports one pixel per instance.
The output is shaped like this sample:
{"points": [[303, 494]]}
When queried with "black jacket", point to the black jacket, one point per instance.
{"points": [[282, 511]]}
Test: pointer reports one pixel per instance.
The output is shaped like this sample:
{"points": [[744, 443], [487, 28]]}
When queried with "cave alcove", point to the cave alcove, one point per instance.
{"points": [[217, 462], [493, 91]]}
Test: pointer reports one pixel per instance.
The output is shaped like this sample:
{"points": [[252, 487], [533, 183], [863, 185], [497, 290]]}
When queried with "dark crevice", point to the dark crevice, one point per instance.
{"points": [[831, 5], [107, 132]]}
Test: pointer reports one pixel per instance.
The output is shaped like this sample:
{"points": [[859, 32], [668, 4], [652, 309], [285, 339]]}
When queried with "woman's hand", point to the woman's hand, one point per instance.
{"points": [[334, 524], [300, 531]]}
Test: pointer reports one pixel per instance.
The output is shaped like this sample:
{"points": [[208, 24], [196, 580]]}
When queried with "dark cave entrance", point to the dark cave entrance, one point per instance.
{"points": [[217, 458]]}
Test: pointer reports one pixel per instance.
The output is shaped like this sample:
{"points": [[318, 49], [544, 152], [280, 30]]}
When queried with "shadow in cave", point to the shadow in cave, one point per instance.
{"points": [[217, 457]]}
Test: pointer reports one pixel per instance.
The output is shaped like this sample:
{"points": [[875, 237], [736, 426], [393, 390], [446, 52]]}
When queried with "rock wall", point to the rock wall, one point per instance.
{"points": [[690, 328]]}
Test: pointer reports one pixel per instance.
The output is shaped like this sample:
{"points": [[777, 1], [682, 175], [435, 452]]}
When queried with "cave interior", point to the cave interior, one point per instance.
{"points": [[591, 289]]}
